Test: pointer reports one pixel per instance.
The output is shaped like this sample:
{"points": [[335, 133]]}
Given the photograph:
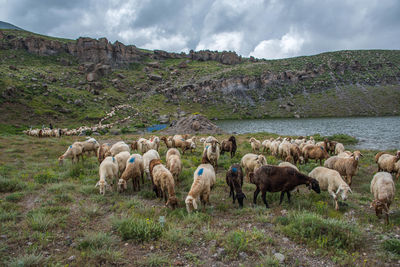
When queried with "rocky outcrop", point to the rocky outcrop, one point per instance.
{"points": [[193, 124], [101, 50]]}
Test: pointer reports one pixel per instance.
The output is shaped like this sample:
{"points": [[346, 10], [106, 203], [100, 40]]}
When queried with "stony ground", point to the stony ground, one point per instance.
{"points": [[53, 215]]}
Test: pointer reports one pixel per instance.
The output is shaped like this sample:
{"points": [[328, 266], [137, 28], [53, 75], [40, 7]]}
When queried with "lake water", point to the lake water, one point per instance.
{"points": [[378, 133]]}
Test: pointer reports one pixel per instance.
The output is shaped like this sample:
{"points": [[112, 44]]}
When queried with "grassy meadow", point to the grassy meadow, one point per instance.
{"points": [[52, 215]]}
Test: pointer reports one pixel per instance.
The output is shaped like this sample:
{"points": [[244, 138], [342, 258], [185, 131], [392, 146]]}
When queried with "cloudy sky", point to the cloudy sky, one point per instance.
{"points": [[261, 28]]}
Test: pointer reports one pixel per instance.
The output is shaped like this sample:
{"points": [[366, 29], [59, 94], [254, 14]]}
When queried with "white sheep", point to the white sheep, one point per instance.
{"points": [[275, 147], [121, 158], [339, 148], [117, 148], [102, 150], [174, 165], [147, 157], [90, 145], [383, 189], [255, 144], [212, 153], [108, 170], [390, 163], [74, 151], [134, 170], [266, 144], [347, 167], [153, 143], [331, 181], [251, 162], [203, 182], [287, 164], [170, 152]]}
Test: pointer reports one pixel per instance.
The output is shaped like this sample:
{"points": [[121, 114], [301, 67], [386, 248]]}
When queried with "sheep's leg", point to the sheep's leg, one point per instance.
{"points": [[281, 198], [255, 195], [334, 199], [288, 196], [264, 198]]}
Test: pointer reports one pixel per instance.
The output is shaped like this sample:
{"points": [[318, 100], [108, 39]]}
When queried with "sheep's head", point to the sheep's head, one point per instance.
{"points": [[102, 186], [357, 154], [190, 204], [379, 207], [252, 140], [240, 196], [344, 191], [61, 160], [202, 140], [122, 185], [314, 185], [261, 160], [172, 201]]}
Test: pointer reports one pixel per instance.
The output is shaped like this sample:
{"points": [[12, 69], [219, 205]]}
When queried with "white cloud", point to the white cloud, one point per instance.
{"points": [[288, 46], [222, 41]]}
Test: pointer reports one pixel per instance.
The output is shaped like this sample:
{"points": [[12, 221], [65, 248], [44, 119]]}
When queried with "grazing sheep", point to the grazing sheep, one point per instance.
{"points": [[147, 157], [74, 151], [229, 146], [390, 164], [121, 158], [90, 145], [163, 183], [117, 148], [331, 181], [101, 152], [339, 148], [275, 147], [211, 152], [170, 152], [377, 156], [203, 182], [296, 154], [250, 162], [234, 179], [108, 170], [255, 144], [347, 167], [279, 179], [284, 148], [179, 142], [174, 165], [134, 170], [314, 152], [153, 143], [167, 141], [383, 189], [141, 145], [266, 144]]}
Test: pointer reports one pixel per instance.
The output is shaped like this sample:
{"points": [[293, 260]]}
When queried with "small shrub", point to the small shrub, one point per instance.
{"points": [[95, 240], [39, 221], [7, 215], [10, 185], [45, 177], [392, 245], [15, 197], [138, 229], [27, 260], [156, 260]]}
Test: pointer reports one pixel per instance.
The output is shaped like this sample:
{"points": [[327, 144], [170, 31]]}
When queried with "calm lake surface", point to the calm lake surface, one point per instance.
{"points": [[378, 133]]}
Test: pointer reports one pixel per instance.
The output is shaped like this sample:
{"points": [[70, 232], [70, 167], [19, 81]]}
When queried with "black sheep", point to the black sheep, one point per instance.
{"points": [[234, 179], [229, 146], [279, 179]]}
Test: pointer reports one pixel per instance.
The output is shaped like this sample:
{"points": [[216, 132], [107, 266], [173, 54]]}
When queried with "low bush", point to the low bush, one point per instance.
{"points": [[138, 229]]}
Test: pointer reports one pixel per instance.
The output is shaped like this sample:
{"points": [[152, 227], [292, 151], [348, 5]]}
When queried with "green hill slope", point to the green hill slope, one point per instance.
{"points": [[58, 86]]}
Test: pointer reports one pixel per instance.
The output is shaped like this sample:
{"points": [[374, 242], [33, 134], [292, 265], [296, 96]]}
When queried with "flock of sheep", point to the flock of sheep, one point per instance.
{"points": [[118, 164]]}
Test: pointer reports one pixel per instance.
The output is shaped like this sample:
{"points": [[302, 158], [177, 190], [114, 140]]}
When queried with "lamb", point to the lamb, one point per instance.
{"points": [[315, 152], [174, 165], [255, 144], [117, 148], [229, 146], [74, 151], [121, 158], [203, 181], [383, 189], [211, 152], [234, 179], [339, 148], [101, 152], [108, 169], [163, 183], [147, 157], [389, 163], [331, 181], [134, 170], [250, 162], [347, 167], [279, 179]]}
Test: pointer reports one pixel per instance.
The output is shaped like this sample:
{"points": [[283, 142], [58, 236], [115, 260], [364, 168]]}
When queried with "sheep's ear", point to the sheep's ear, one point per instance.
{"points": [[194, 204], [361, 155], [97, 184]]}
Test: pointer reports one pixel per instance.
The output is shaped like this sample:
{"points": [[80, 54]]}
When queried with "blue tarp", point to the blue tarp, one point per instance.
{"points": [[156, 127]]}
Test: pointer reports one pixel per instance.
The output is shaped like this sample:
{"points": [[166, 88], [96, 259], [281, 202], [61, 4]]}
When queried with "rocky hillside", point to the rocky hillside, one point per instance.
{"points": [[71, 82]]}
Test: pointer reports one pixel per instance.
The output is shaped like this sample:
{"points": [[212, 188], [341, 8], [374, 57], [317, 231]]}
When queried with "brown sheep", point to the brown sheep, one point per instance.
{"points": [[314, 152], [163, 183], [347, 167], [101, 152], [229, 146], [234, 179]]}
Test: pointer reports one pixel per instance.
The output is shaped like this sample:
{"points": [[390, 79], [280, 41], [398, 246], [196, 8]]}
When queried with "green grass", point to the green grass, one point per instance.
{"points": [[27, 260], [392, 245], [138, 229]]}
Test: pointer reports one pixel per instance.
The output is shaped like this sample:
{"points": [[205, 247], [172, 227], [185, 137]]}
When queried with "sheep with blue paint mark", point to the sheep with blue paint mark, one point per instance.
{"points": [[117, 148], [203, 181], [134, 170], [74, 151], [121, 158], [234, 179], [108, 170]]}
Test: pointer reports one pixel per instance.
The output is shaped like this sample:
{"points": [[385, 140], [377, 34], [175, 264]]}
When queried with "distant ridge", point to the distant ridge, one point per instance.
{"points": [[6, 25]]}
